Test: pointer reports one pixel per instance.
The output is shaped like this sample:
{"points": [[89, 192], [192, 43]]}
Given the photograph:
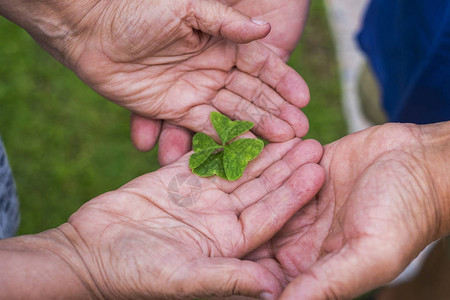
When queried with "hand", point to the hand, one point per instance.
{"points": [[157, 238], [287, 19], [176, 61], [179, 62], [378, 209]]}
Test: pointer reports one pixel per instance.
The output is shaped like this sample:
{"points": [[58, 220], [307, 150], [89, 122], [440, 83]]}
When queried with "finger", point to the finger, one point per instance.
{"points": [[266, 125], [361, 257], [274, 267], [174, 142], [259, 61], [344, 274], [144, 132], [231, 276], [260, 94], [218, 19], [198, 119], [270, 154], [309, 151], [263, 219], [287, 244]]}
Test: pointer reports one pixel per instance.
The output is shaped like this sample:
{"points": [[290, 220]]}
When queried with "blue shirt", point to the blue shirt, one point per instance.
{"points": [[408, 46], [9, 205]]}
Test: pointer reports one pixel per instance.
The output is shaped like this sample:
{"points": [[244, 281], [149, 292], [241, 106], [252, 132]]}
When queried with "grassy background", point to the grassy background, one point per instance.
{"points": [[314, 59], [67, 145]]}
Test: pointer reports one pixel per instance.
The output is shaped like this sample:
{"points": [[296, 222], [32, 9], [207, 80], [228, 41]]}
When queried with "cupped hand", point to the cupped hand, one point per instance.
{"points": [[287, 19], [173, 234], [179, 60], [374, 214]]}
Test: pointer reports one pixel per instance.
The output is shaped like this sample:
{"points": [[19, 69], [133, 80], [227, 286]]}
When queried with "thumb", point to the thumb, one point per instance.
{"points": [[345, 274], [174, 142], [144, 132], [218, 19], [225, 277]]}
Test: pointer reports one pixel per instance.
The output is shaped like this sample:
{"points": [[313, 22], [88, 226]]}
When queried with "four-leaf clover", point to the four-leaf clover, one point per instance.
{"points": [[228, 160]]}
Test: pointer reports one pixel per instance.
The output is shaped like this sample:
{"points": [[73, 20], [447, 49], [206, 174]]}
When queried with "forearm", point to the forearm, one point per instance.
{"points": [[436, 139], [42, 266], [54, 24]]}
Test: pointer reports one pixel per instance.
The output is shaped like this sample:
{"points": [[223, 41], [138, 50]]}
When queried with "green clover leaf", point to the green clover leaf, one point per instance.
{"points": [[203, 147], [212, 166], [238, 154], [227, 129], [230, 160]]}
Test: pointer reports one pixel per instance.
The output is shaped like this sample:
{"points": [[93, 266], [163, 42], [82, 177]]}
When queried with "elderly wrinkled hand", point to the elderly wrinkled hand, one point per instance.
{"points": [[170, 233], [287, 19], [386, 197], [175, 61]]}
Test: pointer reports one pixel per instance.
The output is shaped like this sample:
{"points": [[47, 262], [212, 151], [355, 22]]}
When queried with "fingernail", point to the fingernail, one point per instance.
{"points": [[266, 296], [259, 22]]}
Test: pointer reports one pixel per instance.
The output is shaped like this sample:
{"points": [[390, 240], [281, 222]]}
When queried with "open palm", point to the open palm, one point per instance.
{"points": [[173, 234], [364, 226], [287, 18], [180, 60]]}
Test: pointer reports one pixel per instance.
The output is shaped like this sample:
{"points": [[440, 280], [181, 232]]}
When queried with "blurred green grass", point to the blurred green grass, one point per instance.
{"points": [[315, 60], [67, 145]]}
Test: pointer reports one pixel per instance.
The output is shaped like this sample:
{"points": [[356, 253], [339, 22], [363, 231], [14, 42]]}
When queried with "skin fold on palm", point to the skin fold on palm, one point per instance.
{"points": [[373, 215], [287, 19], [179, 61], [135, 241]]}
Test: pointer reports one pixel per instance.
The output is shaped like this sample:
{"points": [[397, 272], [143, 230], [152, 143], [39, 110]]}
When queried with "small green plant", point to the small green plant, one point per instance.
{"points": [[228, 160]]}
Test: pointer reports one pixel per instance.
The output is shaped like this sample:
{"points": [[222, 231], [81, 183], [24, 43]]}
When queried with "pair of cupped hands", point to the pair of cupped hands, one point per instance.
{"points": [[303, 220]]}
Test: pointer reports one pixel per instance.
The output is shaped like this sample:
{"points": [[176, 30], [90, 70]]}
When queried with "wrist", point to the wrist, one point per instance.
{"points": [[44, 266], [436, 141], [55, 25]]}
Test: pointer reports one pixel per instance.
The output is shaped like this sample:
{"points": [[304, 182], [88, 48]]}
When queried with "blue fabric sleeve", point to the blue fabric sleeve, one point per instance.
{"points": [[407, 43], [9, 204]]}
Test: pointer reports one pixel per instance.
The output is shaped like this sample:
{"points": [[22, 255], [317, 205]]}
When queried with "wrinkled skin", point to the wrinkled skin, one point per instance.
{"points": [[180, 60], [286, 17], [374, 214], [136, 243]]}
